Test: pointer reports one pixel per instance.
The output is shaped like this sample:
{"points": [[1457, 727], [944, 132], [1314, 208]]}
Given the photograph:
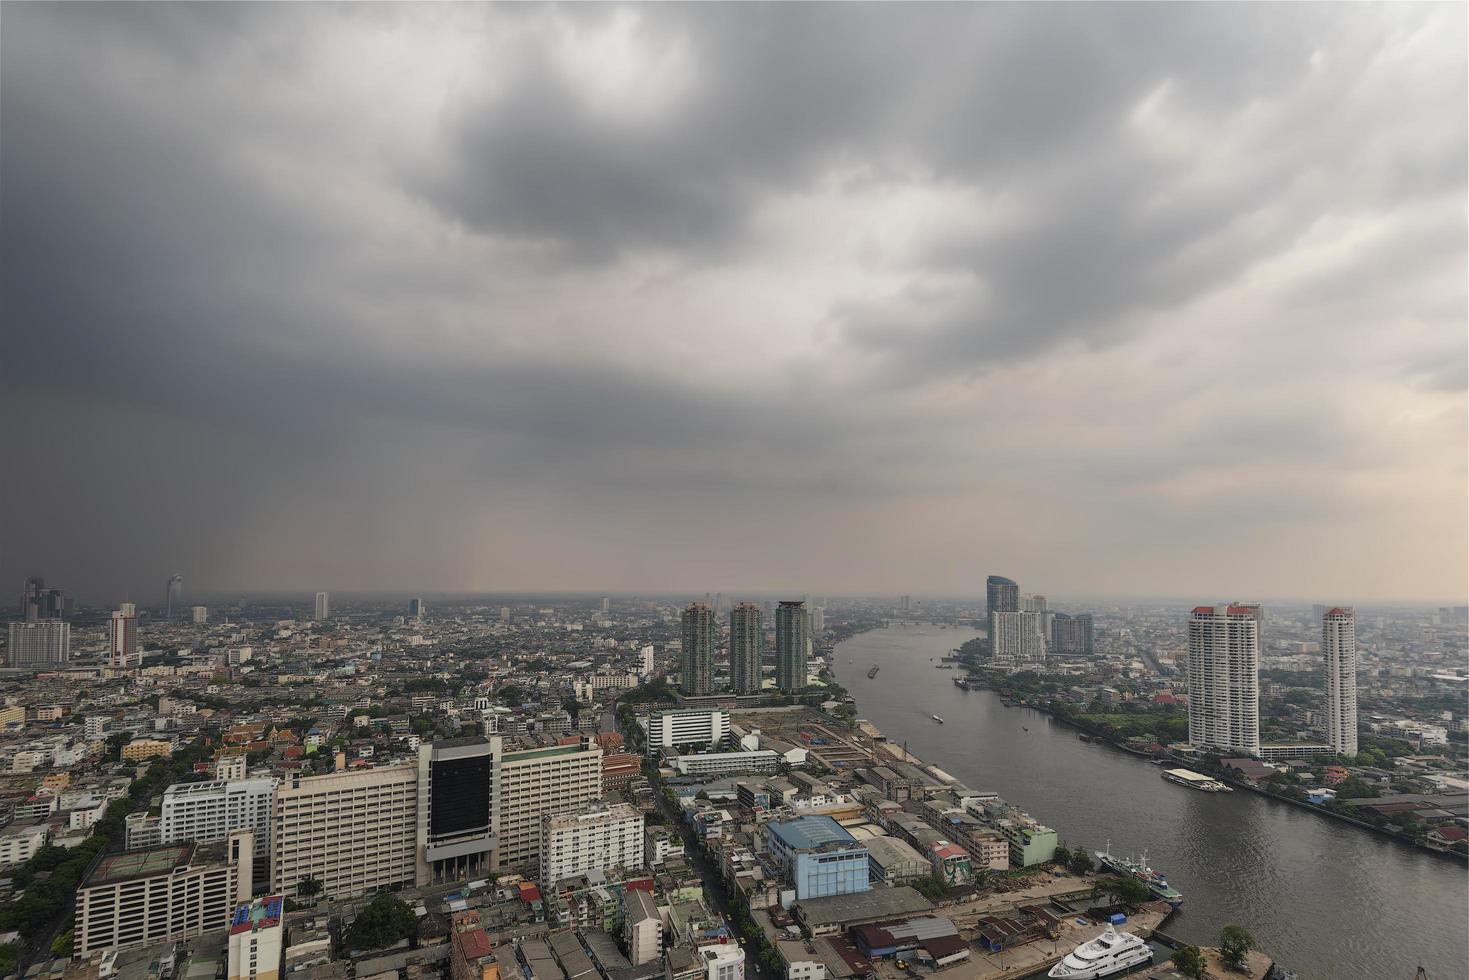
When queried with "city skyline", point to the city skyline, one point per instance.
{"points": [[1122, 299]]}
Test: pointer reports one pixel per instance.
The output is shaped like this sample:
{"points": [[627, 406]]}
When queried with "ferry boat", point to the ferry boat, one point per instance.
{"points": [[872, 673], [937, 719], [1157, 883], [1195, 780], [1109, 954]]}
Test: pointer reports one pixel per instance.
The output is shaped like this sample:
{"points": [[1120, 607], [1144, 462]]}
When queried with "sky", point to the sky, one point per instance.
{"points": [[1154, 299]]}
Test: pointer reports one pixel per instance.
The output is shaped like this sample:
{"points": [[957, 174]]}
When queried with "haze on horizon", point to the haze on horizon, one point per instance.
{"points": [[1145, 299]]}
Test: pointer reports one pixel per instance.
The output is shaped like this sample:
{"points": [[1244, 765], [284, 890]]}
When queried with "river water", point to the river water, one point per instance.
{"points": [[1326, 899]]}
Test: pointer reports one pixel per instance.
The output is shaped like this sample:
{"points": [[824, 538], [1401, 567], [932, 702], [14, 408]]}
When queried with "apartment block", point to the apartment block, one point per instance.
{"points": [[208, 811], [595, 837], [255, 940], [355, 832], [535, 782]]}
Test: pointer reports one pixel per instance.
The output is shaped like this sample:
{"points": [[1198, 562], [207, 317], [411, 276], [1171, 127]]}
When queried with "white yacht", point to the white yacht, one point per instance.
{"points": [[1110, 953]]}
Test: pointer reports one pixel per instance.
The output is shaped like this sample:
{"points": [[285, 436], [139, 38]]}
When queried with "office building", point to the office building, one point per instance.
{"points": [[122, 638], [38, 602], [208, 811], [1224, 678], [323, 609], [1001, 595], [504, 614], [678, 727], [355, 832], [696, 662], [746, 648], [146, 748], [456, 809], [200, 614], [39, 643], [606, 605], [173, 602], [532, 783], [792, 646], [1339, 647], [596, 837], [131, 899], [255, 939], [415, 609], [818, 856]]}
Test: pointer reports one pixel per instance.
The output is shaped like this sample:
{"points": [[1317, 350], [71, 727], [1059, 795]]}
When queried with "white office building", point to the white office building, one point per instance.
{"points": [[355, 832], [597, 837], [1339, 646], [533, 783], [1224, 677], [204, 812], [686, 726]]}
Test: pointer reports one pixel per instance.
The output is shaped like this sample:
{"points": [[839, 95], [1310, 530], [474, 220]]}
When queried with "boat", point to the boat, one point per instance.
{"points": [[1109, 954], [1083, 737], [937, 719], [1194, 780], [1024, 729], [1156, 881], [961, 683], [872, 673]]}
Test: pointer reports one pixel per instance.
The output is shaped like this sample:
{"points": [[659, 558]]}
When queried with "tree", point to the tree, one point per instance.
{"points": [[1127, 891], [1235, 944], [386, 920], [61, 946], [1189, 961], [1081, 862], [308, 887], [1063, 856]]}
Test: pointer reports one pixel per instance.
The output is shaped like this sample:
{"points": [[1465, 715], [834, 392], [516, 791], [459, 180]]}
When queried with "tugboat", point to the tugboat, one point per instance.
{"points": [[872, 673]]}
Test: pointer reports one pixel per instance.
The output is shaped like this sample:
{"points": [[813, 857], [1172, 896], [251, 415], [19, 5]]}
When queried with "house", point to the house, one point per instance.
{"points": [[1446, 837]]}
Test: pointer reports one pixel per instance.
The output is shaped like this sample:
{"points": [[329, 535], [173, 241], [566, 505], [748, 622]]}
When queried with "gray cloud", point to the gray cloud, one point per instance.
{"points": [[493, 297]]}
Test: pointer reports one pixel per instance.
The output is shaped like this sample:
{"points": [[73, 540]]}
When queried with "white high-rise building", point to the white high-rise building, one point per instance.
{"points": [[201, 615], [596, 837], [1224, 677], [122, 637], [231, 767], [687, 726], [532, 783], [1018, 640], [645, 669], [355, 832], [323, 607], [1339, 646], [40, 643], [204, 812]]}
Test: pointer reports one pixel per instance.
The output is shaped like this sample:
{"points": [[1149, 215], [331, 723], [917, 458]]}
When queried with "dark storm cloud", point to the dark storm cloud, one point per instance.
{"points": [[314, 273]]}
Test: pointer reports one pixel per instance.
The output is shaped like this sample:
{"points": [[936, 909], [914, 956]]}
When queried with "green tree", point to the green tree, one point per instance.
{"points": [[1189, 961], [1081, 862], [1127, 891], [1063, 856], [61, 946], [387, 919], [1235, 944], [308, 887]]}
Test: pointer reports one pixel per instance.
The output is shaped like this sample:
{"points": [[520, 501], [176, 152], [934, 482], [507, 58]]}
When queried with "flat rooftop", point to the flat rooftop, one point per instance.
{"points": [[143, 863]]}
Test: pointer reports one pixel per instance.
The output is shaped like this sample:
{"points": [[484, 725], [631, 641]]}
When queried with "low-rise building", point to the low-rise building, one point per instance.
{"points": [[818, 856], [256, 939]]}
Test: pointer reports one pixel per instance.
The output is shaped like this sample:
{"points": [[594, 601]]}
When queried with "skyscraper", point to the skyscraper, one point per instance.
{"points": [[1071, 634], [201, 614], [38, 602], [1002, 595], [696, 662], [746, 648], [792, 646], [174, 602], [415, 608], [1016, 638], [323, 607], [1224, 677], [606, 605], [1339, 646], [122, 637]]}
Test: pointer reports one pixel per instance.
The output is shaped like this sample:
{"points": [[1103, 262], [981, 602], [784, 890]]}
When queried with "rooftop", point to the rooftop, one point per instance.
{"points": [[804, 833], [143, 863]]}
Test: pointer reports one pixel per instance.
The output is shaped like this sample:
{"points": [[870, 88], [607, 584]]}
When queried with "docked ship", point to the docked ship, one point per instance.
{"points": [[1156, 881], [872, 673], [1109, 954], [1195, 780], [961, 683]]}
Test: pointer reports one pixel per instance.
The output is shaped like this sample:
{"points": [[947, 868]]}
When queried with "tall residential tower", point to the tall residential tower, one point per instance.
{"points": [[746, 648], [1339, 646], [792, 646], [696, 662], [1224, 677]]}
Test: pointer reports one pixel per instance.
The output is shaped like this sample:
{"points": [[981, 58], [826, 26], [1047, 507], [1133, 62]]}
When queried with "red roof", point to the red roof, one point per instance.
{"points": [[473, 943], [1452, 833], [529, 892], [1203, 610], [1338, 611]]}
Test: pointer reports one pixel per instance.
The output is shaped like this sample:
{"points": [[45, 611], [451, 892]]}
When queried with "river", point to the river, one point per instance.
{"points": [[1328, 900]]}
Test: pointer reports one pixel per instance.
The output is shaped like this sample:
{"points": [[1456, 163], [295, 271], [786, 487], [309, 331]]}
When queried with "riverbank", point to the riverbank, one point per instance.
{"points": [[1099, 737]]}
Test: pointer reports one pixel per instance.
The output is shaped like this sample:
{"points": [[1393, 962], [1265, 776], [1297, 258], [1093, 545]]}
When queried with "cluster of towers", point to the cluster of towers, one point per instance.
{"points": [[1023, 629], [746, 648]]}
